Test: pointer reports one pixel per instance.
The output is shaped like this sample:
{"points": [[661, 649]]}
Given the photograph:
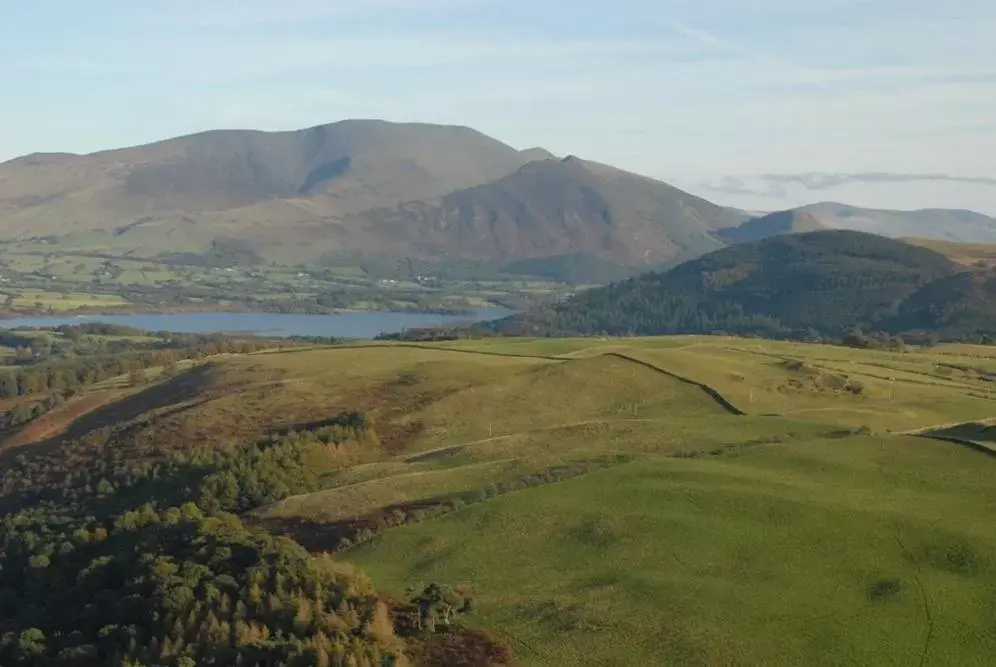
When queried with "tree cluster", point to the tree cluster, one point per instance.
{"points": [[174, 588]]}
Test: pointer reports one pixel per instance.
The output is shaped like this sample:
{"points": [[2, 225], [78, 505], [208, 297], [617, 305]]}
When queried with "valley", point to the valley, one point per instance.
{"points": [[36, 283], [477, 334]]}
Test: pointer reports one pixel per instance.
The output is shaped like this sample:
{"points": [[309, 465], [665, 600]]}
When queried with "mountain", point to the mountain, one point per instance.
{"points": [[361, 190], [355, 189], [824, 282], [537, 153], [557, 207], [782, 222], [943, 224], [326, 170]]}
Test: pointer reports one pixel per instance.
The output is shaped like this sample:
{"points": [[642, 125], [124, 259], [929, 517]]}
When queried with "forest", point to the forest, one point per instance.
{"points": [[819, 285], [130, 557], [43, 367]]}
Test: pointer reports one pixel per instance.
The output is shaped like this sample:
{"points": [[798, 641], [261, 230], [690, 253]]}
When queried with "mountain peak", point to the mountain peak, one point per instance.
{"points": [[537, 154]]}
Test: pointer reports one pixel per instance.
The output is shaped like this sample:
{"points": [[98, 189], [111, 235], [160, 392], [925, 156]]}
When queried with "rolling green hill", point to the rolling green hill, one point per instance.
{"points": [[824, 283], [794, 555], [691, 500]]}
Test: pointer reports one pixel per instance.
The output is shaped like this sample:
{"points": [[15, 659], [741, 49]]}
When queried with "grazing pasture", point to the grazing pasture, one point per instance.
{"points": [[677, 501]]}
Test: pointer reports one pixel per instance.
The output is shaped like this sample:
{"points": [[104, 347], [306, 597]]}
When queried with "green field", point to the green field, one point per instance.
{"points": [[795, 540], [459, 417], [726, 501], [92, 271], [864, 551], [27, 299]]}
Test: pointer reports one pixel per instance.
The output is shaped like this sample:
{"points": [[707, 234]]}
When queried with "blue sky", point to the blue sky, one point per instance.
{"points": [[756, 103]]}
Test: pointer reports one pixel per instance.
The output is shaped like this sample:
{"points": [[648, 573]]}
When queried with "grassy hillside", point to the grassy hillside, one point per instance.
{"points": [[663, 500], [498, 397], [481, 414], [786, 556]]}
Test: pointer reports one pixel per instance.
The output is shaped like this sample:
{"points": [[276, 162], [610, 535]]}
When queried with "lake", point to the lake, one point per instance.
{"points": [[345, 325]]}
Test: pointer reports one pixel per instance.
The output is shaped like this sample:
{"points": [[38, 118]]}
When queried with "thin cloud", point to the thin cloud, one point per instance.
{"points": [[733, 185], [872, 189], [824, 181]]}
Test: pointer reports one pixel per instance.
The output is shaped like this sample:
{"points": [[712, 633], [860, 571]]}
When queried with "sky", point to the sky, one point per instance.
{"points": [[761, 104]]}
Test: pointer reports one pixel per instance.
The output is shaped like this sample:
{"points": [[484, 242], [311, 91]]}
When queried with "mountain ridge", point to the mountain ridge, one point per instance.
{"points": [[373, 187]]}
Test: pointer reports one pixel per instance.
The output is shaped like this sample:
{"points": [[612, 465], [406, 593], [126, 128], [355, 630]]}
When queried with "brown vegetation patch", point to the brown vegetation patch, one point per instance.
{"points": [[393, 403], [57, 422], [806, 378], [460, 647], [144, 421]]}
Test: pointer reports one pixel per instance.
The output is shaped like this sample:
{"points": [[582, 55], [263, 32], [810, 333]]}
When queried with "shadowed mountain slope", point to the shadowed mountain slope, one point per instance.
{"points": [[782, 222], [560, 207]]}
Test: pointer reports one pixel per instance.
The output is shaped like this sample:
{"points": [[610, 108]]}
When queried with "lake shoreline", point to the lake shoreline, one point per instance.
{"points": [[363, 325], [240, 308]]}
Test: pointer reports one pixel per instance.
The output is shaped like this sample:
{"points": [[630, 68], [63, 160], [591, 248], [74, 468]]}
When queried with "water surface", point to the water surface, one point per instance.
{"points": [[345, 325]]}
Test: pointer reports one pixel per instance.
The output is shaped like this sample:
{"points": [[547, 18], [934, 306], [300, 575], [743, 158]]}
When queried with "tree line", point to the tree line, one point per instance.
{"points": [[68, 375]]}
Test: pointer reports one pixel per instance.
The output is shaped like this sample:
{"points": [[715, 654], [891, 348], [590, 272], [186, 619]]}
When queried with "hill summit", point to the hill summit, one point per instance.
{"points": [[773, 224], [822, 283]]}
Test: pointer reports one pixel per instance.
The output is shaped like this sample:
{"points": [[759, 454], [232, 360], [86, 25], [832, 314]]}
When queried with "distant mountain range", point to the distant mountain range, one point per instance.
{"points": [[808, 285], [366, 188]]}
